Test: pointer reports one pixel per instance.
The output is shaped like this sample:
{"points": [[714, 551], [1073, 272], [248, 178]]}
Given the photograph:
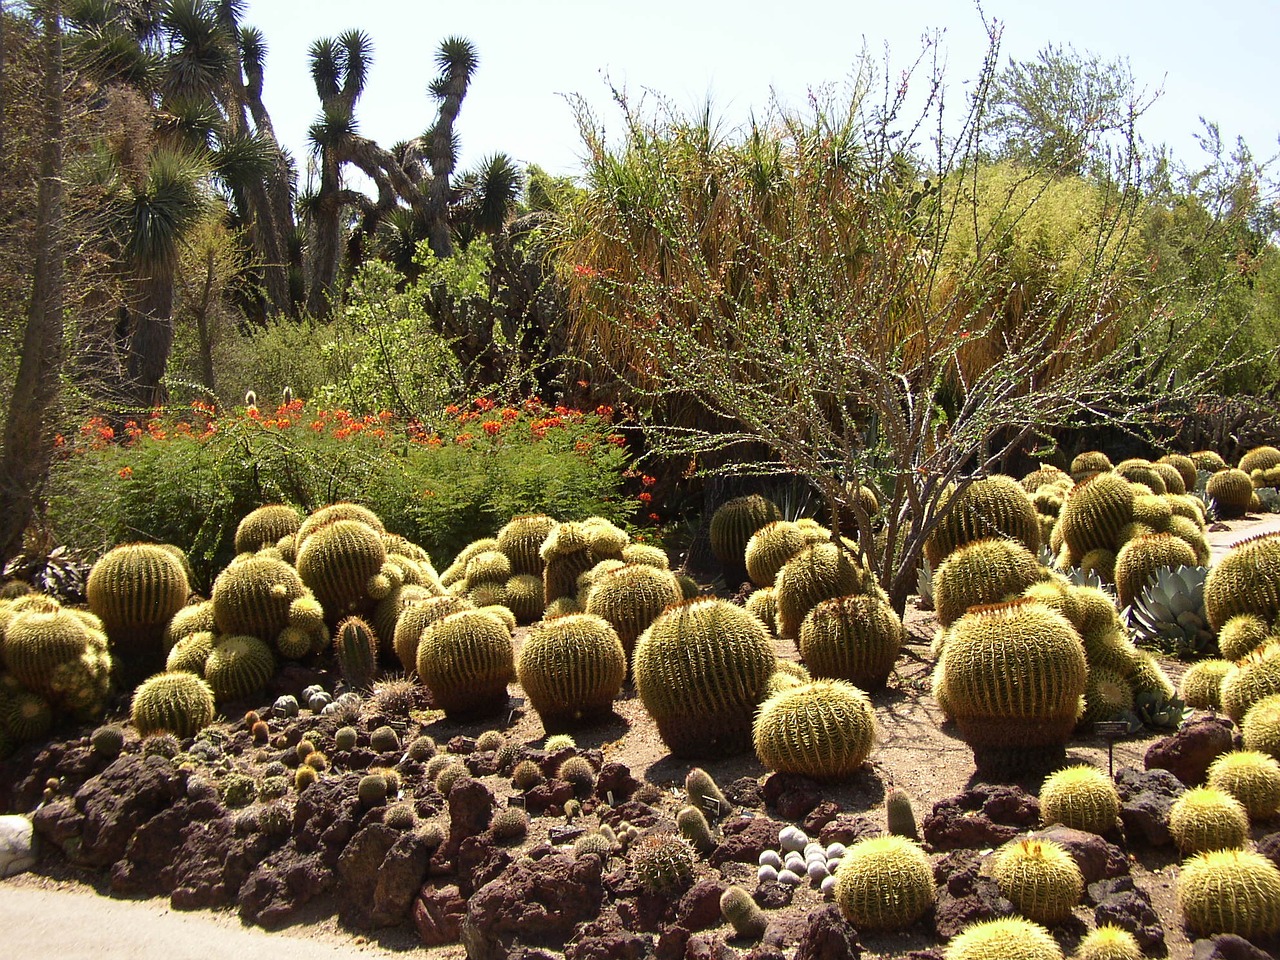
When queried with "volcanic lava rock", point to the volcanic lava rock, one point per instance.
{"points": [[1188, 752], [744, 838], [1096, 858], [1145, 800], [964, 896], [538, 903], [283, 884], [1119, 902], [848, 828], [985, 816], [438, 913], [791, 795], [1227, 946], [605, 938], [127, 794], [828, 936]]}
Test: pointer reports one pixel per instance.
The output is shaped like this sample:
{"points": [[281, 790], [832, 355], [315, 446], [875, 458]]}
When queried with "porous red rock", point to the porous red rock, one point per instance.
{"points": [[744, 838], [1188, 752]]}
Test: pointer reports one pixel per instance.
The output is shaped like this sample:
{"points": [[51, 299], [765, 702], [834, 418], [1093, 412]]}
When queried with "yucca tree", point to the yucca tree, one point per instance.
{"points": [[146, 217], [457, 61]]}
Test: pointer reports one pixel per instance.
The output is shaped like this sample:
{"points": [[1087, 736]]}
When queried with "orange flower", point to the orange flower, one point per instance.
{"points": [[604, 410], [463, 438], [654, 517], [646, 498], [617, 439], [647, 480], [484, 404], [491, 427], [126, 473], [508, 414]]}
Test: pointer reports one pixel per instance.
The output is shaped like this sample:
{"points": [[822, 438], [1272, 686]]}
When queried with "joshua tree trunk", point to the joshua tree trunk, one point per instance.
{"points": [[28, 445], [151, 340]]}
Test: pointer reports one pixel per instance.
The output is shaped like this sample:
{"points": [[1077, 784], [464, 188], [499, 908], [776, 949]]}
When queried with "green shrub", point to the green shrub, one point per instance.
{"points": [[189, 478]]}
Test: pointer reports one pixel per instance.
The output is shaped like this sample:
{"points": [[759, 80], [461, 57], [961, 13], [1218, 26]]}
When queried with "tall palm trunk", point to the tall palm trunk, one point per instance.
{"points": [[152, 337], [28, 445]]}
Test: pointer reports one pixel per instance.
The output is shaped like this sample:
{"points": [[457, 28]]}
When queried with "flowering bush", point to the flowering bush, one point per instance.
{"points": [[188, 479]]}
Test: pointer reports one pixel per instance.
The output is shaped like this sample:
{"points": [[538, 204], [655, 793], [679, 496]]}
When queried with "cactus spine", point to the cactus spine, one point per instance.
{"points": [[852, 638], [1230, 891], [824, 729], [178, 703], [742, 913], [700, 670], [356, 648], [571, 669], [1082, 798], [884, 883], [1040, 878], [466, 660]]}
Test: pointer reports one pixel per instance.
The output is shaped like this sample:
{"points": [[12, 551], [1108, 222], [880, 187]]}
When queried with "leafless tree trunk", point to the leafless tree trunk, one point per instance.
{"points": [[28, 444]]}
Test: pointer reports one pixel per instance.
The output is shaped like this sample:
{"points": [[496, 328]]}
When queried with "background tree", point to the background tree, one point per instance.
{"points": [[818, 288], [28, 439], [1060, 110]]}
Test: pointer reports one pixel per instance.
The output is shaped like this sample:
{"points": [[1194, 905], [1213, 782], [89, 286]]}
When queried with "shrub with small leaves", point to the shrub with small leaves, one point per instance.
{"points": [[509, 823]]}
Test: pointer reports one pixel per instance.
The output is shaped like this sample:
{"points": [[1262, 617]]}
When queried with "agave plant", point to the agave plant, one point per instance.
{"points": [[1270, 498], [1155, 710], [1081, 578], [924, 586], [1170, 613]]}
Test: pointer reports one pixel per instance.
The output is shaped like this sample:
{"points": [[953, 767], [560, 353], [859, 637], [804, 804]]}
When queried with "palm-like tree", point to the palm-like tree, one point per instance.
{"points": [[147, 219], [457, 61]]}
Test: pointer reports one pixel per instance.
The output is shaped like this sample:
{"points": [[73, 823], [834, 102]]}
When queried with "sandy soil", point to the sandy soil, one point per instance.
{"points": [[54, 912]]}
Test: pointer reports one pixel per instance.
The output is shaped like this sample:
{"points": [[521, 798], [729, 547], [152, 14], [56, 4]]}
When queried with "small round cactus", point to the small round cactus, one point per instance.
{"points": [[178, 703], [824, 729], [466, 660], [265, 526], [818, 572], [1253, 678], [593, 843], [1230, 891], [415, 616], [1090, 462], [1251, 777], [1201, 685], [1008, 938], [1040, 878], [981, 572], [1108, 942], [662, 863], [136, 589], [238, 667], [1082, 798], [526, 775], [1139, 559], [852, 638], [1260, 728], [1094, 513], [770, 548], [1231, 490], [631, 597], [509, 823], [1242, 634], [733, 524], [579, 772], [107, 741], [1012, 676], [884, 883], [521, 539], [372, 790], [384, 740], [900, 815], [1205, 818]]}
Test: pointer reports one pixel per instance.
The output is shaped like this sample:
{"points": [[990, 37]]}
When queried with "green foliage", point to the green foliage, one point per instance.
{"points": [[386, 344], [190, 478]]}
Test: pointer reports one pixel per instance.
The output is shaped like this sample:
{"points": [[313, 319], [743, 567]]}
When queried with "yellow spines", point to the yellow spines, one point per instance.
{"points": [[1201, 685], [1253, 678], [340, 563], [1230, 891], [733, 524], [1012, 675], [981, 572], [1252, 777], [253, 594], [631, 597], [1081, 797], [1140, 558], [571, 669], [1008, 938], [521, 540], [1205, 818], [1260, 729], [701, 668], [136, 589], [770, 548], [1231, 490], [265, 526], [1094, 513], [884, 883], [852, 638], [818, 572], [1245, 580], [1040, 878], [995, 507], [823, 729], [466, 660]]}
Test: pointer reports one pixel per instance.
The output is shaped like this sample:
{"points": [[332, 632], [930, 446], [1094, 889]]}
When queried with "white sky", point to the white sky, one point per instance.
{"points": [[1216, 60]]}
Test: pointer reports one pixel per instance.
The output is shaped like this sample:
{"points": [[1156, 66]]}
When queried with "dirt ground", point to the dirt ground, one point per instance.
{"points": [[915, 752]]}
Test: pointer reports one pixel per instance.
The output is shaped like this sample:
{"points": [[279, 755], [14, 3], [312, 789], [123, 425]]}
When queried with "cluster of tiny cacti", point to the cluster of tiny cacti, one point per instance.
{"points": [[798, 860], [54, 663]]}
